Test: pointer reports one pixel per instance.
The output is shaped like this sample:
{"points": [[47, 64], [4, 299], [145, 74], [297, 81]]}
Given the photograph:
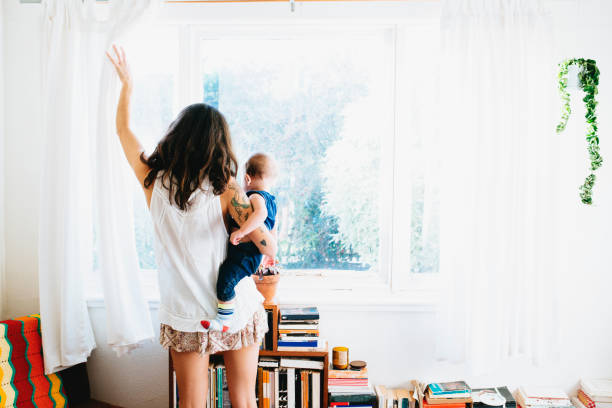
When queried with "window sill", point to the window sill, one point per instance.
{"points": [[337, 300], [329, 291]]}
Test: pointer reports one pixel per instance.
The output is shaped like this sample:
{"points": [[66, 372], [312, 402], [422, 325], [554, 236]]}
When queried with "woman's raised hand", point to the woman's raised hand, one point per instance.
{"points": [[121, 65]]}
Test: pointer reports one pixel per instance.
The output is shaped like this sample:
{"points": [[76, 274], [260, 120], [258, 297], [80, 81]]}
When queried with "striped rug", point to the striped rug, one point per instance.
{"points": [[22, 379]]}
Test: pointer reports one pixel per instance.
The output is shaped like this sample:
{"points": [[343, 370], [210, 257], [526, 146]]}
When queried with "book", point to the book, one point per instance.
{"points": [[300, 313], [363, 373], [339, 389], [268, 362], [301, 363], [316, 389], [365, 399], [577, 403], [381, 395], [478, 394], [427, 404], [295, 327], [448, 399], [298, 332], [282, 390], [405, 398], [348, 381], [291, 387], [322, 346], [298, 389], [585, 399], [310, 343], [599, 390], [452, 397], [304, 386], [454, 387], [266, 389], [391, 398], [276, 388], [226, 403], [529, 397], [297, 338], [260, 385]]}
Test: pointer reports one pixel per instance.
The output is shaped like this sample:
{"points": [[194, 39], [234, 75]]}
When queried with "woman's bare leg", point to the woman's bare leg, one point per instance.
{"points": [[192, 377], [241, 368]]}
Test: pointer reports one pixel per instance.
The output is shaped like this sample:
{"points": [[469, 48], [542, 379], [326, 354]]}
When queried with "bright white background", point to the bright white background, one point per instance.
{"points": [[398, 346]]}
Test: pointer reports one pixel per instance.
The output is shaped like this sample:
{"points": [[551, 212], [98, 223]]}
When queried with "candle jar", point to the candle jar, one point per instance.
{"points": [[340, 358]]}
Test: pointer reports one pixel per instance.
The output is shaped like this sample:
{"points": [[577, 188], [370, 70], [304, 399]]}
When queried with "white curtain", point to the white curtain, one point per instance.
{"points": [[85, 180], [500, 232], [2, 247]]}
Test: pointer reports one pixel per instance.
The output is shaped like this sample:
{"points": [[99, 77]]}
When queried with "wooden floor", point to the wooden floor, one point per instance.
{"points": [[95, 404]]}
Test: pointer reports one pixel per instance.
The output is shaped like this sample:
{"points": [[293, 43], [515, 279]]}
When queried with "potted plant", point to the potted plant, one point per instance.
{"points": [[588, 81], [266, 279]]}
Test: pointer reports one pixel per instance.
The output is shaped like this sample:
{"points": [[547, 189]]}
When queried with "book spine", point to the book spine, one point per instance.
{"points": [[298, 389], [290, 317], [260, 387], [291, 388], [276, 389]]}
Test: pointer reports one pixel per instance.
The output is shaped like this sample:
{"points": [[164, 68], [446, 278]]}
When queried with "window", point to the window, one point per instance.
{"points": [[319, 101], [343, 112]]}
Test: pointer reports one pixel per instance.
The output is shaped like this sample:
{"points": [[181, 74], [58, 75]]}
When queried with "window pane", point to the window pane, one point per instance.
{"points": [[153, 57], [320, 104]]}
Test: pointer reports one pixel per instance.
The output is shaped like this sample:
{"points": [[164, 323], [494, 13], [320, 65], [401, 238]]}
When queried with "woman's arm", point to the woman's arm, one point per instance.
{"points": [[240, 209], [132, 148]]}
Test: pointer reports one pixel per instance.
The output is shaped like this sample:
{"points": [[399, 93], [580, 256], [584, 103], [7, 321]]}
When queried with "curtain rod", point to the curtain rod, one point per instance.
{"points": [[248, 1]]}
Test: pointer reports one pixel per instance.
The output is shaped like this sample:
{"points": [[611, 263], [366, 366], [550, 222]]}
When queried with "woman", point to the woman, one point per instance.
{"points": [[190, 188]]}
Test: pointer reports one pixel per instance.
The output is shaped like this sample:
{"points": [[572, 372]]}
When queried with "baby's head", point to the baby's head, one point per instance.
{"points": [[261, 172]]}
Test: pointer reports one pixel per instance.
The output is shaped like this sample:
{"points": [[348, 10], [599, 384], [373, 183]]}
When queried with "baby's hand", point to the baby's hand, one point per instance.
{"points": [[236, 237]]}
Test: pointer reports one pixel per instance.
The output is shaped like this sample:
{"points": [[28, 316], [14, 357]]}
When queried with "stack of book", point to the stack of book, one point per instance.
{"points": [[594, 394], [350, 388], [455, 394], [289, 383], [542, 397], [395, 398], [298, 329]]}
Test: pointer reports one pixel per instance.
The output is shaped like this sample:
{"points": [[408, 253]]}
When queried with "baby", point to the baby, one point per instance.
{"points": [[243, 257]]}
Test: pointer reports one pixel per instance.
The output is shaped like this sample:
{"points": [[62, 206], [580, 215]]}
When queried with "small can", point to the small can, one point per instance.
{"points": [[340, 358], [357, 365]]}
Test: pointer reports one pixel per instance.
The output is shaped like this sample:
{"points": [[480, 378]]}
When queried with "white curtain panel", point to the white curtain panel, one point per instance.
{"points": [[85, 180], [128, 318], [500, 233], [2, 244]]}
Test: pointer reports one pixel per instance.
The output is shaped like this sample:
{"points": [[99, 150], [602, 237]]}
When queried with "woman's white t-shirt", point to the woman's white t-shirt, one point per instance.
{"points": [[190, 246]]}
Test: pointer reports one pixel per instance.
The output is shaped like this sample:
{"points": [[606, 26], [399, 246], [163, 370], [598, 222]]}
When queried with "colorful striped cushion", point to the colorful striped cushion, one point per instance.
{"points": [[22, 379]]}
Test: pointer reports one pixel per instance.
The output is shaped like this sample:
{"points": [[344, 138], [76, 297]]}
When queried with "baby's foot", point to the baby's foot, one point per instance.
{"points": [[214, 325]]}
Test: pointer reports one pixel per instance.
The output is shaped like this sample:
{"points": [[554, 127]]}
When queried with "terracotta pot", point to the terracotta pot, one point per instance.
{"points": [[267, 286]]}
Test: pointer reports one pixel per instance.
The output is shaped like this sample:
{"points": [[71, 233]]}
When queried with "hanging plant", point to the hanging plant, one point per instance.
{"points": [[588, 78]]}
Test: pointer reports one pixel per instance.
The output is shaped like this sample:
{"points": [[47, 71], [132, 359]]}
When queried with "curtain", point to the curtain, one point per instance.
{"points": [[84, 181], [500, 231], [2, 247]]}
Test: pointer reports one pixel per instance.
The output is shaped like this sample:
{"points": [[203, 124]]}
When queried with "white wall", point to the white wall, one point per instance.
{"points": [[397, 343], [22, 73]]}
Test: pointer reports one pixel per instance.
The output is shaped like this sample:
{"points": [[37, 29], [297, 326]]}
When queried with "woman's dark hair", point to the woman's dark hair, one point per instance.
{"points": [[197, 146]]}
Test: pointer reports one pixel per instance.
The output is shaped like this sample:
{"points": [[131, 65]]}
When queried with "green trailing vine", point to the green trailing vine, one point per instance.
{"points": [[588, 77]]}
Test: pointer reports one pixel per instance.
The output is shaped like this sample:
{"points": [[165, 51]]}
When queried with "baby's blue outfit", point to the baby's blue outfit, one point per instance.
{"points": [[243, 259]]}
